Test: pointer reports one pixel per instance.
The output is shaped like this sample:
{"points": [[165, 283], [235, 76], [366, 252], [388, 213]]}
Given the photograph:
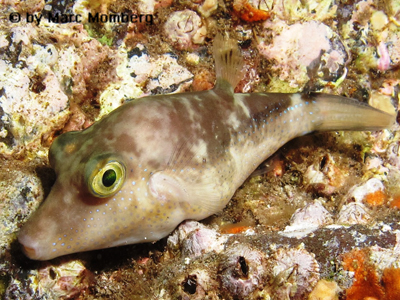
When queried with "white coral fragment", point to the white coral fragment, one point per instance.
{"points": [[185, 29], [195, 239], [303, 10], [296, 272], [353, 213], [371, 186], [298, 46], [208, 7], [65, 280], [167, 73], [307, 220], [242, 270]]}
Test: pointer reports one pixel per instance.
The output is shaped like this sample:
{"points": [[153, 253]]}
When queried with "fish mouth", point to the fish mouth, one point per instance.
{"points": [[30, 248], [29, 251]]}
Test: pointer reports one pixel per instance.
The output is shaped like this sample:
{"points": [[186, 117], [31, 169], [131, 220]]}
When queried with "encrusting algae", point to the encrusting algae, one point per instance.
{"points": [[247, 12], [367, 283]]}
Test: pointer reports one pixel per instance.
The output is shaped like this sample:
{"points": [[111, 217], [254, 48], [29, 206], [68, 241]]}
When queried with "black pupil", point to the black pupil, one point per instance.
{"points": [[109, 178]]}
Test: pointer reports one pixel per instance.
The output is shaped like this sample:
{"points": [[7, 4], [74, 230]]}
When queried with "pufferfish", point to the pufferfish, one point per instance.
{"points": [[133, 176]]}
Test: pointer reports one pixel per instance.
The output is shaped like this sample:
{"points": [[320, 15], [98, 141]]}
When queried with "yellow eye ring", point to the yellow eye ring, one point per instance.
{"points": [[107, 180]]}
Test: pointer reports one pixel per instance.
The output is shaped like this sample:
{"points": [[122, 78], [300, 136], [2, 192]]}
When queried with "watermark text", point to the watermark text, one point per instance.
{"points": [[16, 17]]}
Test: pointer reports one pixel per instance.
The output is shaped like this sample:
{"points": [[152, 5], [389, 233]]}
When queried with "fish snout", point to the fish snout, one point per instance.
{"points": [[36, 238], [30, 247]]}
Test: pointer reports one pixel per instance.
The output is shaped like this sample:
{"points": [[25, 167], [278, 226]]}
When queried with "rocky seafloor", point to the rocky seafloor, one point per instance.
{"points": [[318, 220]]}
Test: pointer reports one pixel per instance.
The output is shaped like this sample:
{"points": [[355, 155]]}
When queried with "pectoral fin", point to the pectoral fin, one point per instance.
{"points": [[197, 199]]}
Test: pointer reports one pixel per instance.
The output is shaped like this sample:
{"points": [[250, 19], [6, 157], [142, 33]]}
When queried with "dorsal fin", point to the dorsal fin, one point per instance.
{"points": [[228, 62]]}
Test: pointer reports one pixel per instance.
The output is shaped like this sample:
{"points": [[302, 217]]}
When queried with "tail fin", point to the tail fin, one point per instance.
{"points": [[340, 113]]}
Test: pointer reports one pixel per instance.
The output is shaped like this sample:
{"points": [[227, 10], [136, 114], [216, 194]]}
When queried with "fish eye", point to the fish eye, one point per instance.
{"points": [[109, 178], [106, 180]]}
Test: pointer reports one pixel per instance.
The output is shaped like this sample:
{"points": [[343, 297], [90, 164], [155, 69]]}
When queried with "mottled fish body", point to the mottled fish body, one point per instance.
{"points": [[136, 174]]}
